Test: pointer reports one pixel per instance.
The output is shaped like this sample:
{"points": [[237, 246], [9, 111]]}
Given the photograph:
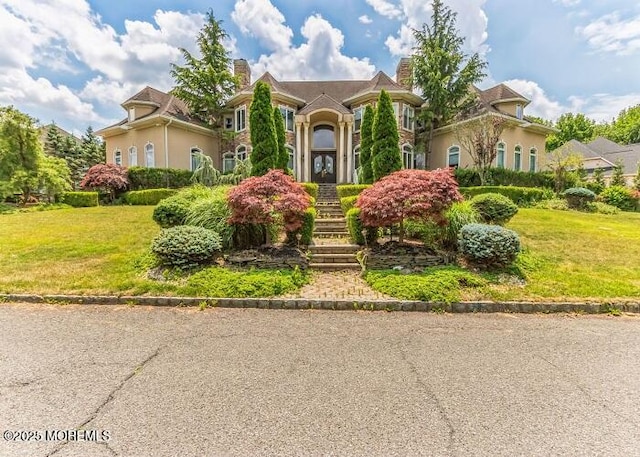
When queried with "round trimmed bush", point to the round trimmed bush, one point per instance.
{"points": [[494, 208], [186, 246], [578, 197], [171, 211], [488, 245], [620, 197]]}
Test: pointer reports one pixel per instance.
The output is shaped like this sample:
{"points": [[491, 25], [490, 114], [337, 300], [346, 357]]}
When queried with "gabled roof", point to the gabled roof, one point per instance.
{"points": [[602, 145], [148, 95], [609, 151], [324, 101], [276, 86], [500, 93]]}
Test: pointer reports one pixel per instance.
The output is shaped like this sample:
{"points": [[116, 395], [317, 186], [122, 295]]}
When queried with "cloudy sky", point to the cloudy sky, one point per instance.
{"points": [[75, 61]]}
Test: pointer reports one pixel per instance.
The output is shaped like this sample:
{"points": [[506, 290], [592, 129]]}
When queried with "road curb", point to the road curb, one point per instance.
{"points": [[338, 305]]}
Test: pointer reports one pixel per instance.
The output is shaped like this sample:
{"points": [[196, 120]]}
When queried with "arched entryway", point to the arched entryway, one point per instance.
{"points": [[323, 154]]}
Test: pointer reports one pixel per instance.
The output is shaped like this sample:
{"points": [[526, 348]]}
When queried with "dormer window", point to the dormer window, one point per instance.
{"points": [[519, 111], [132, 114]]}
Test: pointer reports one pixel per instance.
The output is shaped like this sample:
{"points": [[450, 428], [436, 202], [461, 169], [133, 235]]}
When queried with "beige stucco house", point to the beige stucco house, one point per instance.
{"points": [[521, 146], [322, 122], [158, 132]]}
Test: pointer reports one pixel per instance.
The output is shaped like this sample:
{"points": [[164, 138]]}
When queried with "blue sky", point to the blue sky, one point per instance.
{"points": [[75, 61]]}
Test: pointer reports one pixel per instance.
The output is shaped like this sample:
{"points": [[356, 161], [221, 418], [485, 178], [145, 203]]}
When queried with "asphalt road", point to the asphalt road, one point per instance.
{"points": [[183, 382]]}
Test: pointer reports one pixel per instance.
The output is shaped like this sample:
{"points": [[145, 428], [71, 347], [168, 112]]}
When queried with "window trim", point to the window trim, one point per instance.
{"points": [[133, 152], [241, 126], [519, 111], [284, 117], [517, 152], [245, 152], [193, 149], [405, 109], [228, 125], [502, 149], [450, 152], [147, 163], [411, 149], [225, 156], [533, 154], [396, 112], [356, 128], [291, 151], [313, 131], [117, 157]]}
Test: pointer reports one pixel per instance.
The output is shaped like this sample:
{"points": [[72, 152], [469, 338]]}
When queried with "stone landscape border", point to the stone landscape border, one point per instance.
{"points": [[613, 307]]}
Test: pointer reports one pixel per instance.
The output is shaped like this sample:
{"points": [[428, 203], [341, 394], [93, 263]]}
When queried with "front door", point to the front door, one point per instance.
{"points": [[324, 167]]}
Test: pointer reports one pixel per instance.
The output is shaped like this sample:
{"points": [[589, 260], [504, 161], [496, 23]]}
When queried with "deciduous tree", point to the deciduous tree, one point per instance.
{"points": [[617, 177], [562, 165], [206, 82], [264, 153], [408, 194], [442, 71], [107, 177], [479, 137], [366, 143], [571, 127], [385, 148]]}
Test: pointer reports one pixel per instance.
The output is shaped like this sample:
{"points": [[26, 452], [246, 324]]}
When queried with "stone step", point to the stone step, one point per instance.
{"points": [[331, 235], [335, 266], [334, 258], [334, 249]]}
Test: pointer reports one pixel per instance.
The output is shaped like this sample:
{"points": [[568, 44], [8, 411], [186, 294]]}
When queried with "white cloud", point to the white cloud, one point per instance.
{"points": [[471, 23], [613, 34], [568, 2], [541, 105], [319, 57], [262, 20], [385, 8], [364, 19], [604, 107]]}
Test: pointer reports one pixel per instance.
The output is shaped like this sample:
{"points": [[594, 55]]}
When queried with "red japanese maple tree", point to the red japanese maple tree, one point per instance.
{"points": [[274, 197], [108, 177], [408, 194]]}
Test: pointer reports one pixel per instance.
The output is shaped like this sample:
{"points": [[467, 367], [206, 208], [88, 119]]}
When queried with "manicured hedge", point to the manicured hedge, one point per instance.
{"points": [[346, 203], [468, 177], [521, 196], [141, 178], [311, 188], [494, 208], [148, 196], [79, 199], [308, 223], [347, 190], [356, 228]]}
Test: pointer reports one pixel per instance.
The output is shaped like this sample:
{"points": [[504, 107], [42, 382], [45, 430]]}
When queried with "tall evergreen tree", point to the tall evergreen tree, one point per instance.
{"points": [[385, 150], [206, 83], [264, 143], [366, 141], [283, 156], [442, 71], [92, 149], [617, 177], [53, 144]]}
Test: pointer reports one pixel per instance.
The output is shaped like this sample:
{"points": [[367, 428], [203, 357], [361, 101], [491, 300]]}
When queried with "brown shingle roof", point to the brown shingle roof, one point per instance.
{"points": [[324, 101], [338, 90], [498, 93], [149, 95]]}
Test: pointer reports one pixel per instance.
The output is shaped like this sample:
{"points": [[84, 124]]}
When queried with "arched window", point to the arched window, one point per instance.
{"points": [[517, 158], [324, 137], [407, 156], [133, 156], [500, 154], [453, 156], [117, 157], [228, 162], [149, 155], [194, 159], [533, 159], [356, 163], [241, 152], [291, 162]]}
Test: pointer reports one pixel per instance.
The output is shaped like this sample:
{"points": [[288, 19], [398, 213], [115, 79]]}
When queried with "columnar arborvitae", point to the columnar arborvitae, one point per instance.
{"points": [[366, 141], [283, 156], [264, 143], [385, 150]]}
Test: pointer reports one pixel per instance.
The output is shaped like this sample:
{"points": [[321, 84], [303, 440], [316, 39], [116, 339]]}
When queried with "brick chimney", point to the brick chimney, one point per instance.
{"points": [[243, 72], [403, 73]]}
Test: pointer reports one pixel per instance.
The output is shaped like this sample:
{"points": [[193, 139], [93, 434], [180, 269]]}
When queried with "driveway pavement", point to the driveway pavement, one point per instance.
{"points": [[137, 381]]}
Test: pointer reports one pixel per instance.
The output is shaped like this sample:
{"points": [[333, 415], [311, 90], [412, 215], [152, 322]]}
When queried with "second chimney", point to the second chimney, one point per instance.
{"points": [[243, 72], [403, 73]]}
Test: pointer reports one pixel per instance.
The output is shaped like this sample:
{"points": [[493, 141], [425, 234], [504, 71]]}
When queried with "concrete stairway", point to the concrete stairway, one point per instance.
{"points": [[331, 224]]}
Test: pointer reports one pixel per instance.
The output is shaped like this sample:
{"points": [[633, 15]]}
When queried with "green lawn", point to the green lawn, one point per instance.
{"points": [[568, 255]]}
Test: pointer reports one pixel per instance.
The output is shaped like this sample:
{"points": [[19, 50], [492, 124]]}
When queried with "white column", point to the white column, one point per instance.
{"points": [[307, 154], [298, 151], [341, 158], [350, 163]]}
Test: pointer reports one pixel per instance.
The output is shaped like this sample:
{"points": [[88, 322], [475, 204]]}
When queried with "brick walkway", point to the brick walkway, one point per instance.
{"points": [[338, 285]]}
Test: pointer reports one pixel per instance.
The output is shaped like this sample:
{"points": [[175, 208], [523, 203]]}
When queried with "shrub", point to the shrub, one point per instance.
{"points": [[186, 246], [602, 208], [459, 215], [306, 229], [620, 197], [421, 230], [141, 178], [408, 194], [148, 196], [468, 177], [347, 203], [311, 188], [109, 178], [171, 211], [213, 213], [594, 186], [494, 208], [521, 196], [578, 197], [559, 204], [347, 190], [356, 228], [79, 199], [488, 245]]}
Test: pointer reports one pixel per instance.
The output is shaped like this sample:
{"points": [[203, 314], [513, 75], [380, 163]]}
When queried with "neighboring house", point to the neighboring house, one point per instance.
{"points": [[159, 132], [605, 154], [322, 123], [521, 146], [44, 133]]}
